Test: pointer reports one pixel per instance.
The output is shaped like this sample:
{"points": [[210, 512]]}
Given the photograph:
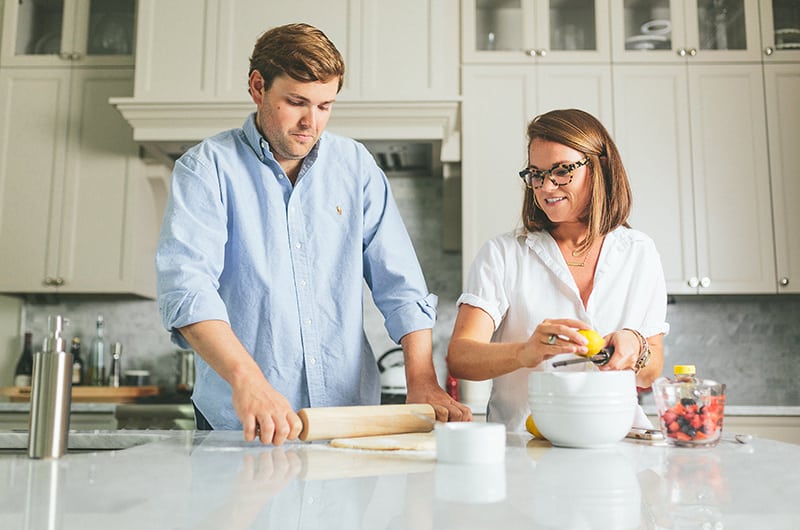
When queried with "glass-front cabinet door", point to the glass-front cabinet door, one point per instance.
{"points": [[68, 32], [535, 30], [780, 30], [676, 30]]}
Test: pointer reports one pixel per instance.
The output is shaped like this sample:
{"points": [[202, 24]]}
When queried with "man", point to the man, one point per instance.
{"points": [[269, 232]]}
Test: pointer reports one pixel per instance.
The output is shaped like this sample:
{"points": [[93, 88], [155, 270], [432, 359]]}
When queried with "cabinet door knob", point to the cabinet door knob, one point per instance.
{"points": [[65, 55], [784, 281], [693, 282], [75, 56], [769, 50], [682, 52], [48, 281], [58, 281], [542, 53], [692, 52], [531, 52], [705, 281]]}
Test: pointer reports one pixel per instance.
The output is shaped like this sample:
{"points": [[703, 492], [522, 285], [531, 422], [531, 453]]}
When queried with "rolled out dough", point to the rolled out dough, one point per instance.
{"points": [[415, 441]]}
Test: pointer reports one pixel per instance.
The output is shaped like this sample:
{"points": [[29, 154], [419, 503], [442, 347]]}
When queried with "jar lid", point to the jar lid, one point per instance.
{"points": [[684, 369]]}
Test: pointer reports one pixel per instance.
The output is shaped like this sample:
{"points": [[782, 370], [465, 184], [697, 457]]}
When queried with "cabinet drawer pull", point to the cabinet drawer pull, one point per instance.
{"points": [[784, 281]]}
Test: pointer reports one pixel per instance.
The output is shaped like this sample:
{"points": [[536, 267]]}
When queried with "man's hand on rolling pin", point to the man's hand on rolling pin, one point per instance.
{"points": [[264, 412], [446, 408]]}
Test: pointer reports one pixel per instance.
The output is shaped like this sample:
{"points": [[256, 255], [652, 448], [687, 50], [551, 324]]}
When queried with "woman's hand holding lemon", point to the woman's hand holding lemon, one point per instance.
{"points": [[556, 336]]}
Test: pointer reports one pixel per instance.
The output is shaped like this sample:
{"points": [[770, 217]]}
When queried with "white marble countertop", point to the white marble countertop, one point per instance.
{"points": [[191, 479]]}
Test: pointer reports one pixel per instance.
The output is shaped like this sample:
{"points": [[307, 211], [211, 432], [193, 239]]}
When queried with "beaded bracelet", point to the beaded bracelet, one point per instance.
{"points": [[644, 351]]}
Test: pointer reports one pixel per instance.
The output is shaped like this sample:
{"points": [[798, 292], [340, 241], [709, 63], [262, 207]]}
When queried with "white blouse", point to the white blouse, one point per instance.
{"points": [[521, 279]]}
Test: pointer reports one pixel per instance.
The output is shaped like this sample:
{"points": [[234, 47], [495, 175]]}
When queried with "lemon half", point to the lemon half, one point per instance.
{"points": [[531, 427]]}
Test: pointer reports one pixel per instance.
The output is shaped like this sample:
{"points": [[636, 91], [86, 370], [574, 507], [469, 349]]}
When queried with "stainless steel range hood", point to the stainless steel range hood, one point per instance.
{"points": [[167, 129]]}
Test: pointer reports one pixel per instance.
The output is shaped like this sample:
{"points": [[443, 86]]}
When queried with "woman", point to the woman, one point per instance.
{"points": [[575, 265]]}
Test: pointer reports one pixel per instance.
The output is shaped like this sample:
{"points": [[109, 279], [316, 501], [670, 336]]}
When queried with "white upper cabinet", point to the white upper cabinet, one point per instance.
{"points": [[68, 32], [406, 50], [782, 83], [780, 30], [685, 30], [199, 50], [77, 213], [696, 153], [535, 31]]}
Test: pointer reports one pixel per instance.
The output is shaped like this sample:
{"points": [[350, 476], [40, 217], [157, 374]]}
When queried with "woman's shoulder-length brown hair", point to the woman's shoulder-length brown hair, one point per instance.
{"points": [[610, 203]]}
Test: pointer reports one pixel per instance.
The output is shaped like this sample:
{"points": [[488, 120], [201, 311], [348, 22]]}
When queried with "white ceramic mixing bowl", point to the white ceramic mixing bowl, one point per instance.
{"points": [[583, 409]]}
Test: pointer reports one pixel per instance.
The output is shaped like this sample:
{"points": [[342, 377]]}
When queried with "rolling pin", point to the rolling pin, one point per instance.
{"points": [[325, 423]]}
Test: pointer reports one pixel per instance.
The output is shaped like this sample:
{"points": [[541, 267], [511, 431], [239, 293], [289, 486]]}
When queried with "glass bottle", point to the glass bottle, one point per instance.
{"points": [[78, 368], [96, 374], [22, 374]]}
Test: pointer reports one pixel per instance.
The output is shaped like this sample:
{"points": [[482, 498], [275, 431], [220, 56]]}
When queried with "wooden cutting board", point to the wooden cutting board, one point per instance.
{"points": [[415, 441], [88, 394]]}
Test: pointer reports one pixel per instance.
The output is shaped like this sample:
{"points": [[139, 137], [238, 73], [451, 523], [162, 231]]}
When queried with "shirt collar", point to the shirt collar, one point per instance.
{"points": [[261, 147]]}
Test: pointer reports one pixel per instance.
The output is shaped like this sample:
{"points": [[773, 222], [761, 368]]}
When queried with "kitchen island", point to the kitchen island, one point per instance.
{"points": [[192, 479]]}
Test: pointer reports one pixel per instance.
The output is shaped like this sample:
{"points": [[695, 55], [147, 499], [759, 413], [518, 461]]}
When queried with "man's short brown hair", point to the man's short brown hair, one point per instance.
{"points": [[299, 51]]}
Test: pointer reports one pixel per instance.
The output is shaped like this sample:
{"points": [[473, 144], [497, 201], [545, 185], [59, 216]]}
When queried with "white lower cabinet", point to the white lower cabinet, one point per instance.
{"points": [[694, 142], [79, 210], [498, 103], [782, 82]]}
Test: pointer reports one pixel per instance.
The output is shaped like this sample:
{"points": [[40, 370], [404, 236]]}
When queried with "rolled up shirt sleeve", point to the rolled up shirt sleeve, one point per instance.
{"points": [[391, 268], [191, 247]]}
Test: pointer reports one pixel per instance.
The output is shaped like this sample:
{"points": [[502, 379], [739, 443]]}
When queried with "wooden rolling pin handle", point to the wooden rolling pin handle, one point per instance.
{"points": [[325, 423]]}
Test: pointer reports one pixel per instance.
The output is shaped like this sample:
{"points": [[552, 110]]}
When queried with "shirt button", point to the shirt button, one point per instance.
{"points": [[302, 283], [312, 360], [308, 322], [298, 245]]}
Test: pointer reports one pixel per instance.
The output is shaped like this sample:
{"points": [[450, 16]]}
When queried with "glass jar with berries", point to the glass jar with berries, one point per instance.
{"points": [[690, 409]]}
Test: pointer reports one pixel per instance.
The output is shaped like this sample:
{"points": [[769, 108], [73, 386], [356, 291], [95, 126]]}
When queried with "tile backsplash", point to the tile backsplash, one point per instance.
{"points": [[752, 343]]}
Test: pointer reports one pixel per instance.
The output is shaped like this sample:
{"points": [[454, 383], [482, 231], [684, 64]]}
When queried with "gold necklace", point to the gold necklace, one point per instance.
{"points": [[575, 254]]}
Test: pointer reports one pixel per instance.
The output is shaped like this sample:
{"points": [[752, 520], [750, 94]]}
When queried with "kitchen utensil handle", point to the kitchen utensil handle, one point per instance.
{"points": [[325, 423], [599, 359]]}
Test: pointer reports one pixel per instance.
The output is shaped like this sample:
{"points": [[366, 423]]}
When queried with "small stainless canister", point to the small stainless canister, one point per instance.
{"points": [[51, 395]]}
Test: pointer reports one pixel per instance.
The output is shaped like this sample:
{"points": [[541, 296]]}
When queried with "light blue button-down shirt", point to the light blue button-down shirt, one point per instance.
{"points": [[284, 266]]}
